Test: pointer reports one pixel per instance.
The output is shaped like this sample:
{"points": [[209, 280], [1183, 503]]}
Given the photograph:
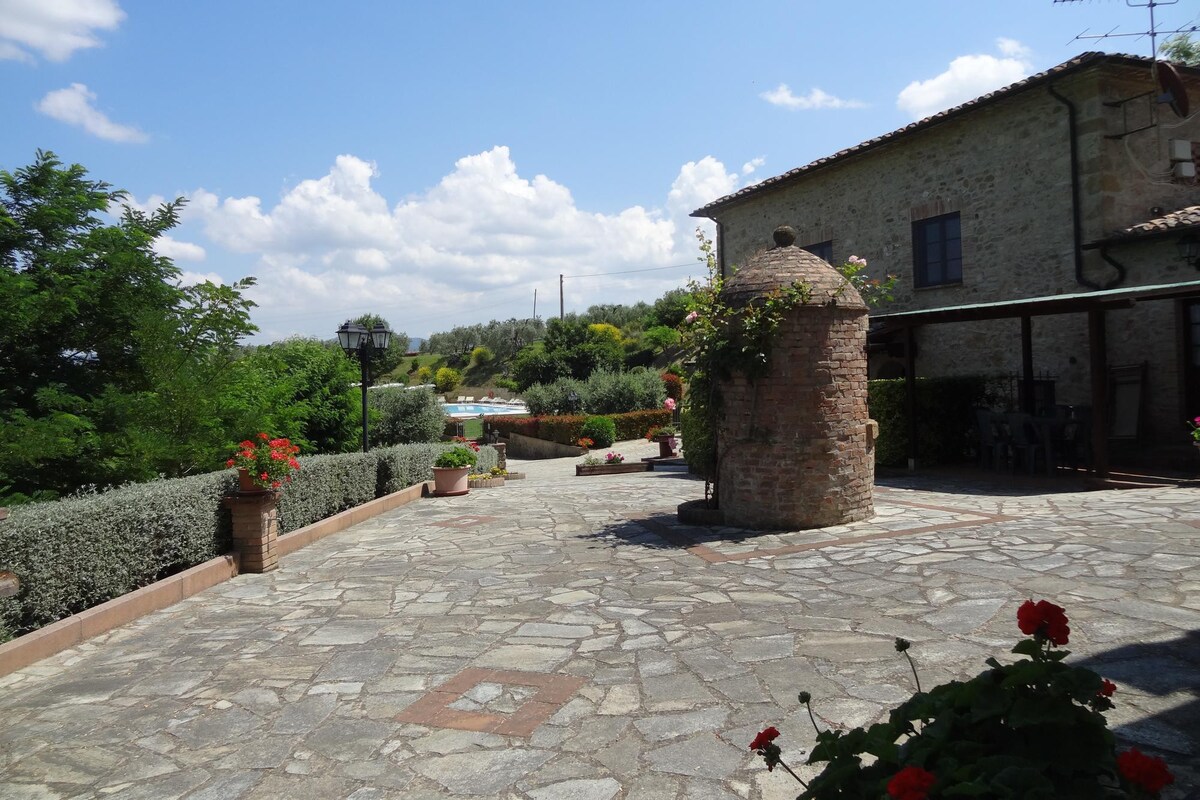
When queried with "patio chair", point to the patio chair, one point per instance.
{"points": [[1025, 442], [469, 399], [993, 450]]}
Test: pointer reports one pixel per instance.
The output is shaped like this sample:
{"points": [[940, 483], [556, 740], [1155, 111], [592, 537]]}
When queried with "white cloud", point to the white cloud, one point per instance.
{"points": [[177, 250], [783, 96], [192, 278], [468, 249], [967, 77], [54, 28], [752, 165], [73, 106]]}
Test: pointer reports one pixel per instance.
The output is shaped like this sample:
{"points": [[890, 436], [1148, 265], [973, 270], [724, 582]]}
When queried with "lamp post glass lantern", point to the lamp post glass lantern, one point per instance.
{"points": [[355, 339]]}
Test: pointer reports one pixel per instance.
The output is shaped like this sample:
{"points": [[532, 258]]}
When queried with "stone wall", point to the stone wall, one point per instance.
{"points": [[1006, 169]]}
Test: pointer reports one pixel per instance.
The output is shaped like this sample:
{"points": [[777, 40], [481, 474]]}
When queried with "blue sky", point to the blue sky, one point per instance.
{"points": [[437, 162]]}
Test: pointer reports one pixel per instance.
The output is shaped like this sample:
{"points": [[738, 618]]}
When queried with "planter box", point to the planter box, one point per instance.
{"points": [[485, 483], [666, 446], [515, 476], [613, 469]]}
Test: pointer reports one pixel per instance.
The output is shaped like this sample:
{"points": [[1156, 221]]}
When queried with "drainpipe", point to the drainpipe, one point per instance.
{"points": [[720, 249], [1117, 265], [1076, 211]]}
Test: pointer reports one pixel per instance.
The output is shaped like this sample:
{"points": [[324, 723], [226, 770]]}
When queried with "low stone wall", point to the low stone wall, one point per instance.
{"points": [[528, 447]]}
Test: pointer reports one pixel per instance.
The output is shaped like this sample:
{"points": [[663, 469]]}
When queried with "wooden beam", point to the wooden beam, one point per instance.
{"points": [[1098, 365], [1027, 364], [910, 392]]}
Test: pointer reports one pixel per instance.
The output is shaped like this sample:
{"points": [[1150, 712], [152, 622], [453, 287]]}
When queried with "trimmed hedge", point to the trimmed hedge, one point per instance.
{"points": [[568, 429], [945, 417], [81, 551]]}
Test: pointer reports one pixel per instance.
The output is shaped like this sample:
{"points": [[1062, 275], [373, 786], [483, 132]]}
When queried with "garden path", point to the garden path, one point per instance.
{"points": [[564, 637]]}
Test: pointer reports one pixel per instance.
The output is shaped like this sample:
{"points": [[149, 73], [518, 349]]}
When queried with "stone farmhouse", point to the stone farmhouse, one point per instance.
{"points": [[1041, 231]]}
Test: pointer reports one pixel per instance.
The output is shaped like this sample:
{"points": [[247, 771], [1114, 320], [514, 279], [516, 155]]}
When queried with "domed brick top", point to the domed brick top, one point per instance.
{"points": [[785, 264]]}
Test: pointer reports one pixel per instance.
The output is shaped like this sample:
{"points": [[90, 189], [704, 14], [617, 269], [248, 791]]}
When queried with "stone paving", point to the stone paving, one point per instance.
{"points": [[565, 637]]}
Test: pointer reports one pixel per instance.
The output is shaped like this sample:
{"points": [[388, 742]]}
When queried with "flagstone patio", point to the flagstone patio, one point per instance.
{"points": [[564, 637]]}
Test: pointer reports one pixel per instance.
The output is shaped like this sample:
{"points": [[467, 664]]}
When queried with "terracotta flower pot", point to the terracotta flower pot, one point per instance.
{"points": [[450, 481], [246, 484]]}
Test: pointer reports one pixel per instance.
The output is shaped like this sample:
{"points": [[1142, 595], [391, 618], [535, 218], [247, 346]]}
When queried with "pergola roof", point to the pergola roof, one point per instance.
{"points": [[1039, 306]]}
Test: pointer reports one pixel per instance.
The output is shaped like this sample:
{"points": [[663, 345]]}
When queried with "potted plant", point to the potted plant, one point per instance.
{"points": [[451, 470], [666, 438], [263, 463], [1195, 425]]}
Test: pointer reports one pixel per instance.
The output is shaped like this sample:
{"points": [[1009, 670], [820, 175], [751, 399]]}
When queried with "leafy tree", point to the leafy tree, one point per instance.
{"points": [[660, 337], [109, 369], [671, 308], [1182, 49]]}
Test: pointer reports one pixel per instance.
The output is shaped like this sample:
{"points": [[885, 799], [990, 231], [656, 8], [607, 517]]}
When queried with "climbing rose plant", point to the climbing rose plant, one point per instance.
{"points": [[725, 339], [1030, 730]]}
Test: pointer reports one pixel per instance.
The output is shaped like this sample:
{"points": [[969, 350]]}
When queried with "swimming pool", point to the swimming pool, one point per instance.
{"points": [[478, 409]]}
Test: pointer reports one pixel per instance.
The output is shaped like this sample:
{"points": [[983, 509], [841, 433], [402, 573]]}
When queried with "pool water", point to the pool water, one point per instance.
{"points": [[475, 409]]}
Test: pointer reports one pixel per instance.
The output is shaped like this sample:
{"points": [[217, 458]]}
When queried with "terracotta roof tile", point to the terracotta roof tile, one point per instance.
{"points": [[1080, 61], [1181, 219]]}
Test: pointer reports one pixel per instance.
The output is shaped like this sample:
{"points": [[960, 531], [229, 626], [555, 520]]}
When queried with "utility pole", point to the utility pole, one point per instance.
{"points": [[561, 315], [535, 303]]}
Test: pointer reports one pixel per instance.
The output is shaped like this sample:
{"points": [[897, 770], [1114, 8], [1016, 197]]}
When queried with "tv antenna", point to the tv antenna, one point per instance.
{"points": [[1153, 33]]}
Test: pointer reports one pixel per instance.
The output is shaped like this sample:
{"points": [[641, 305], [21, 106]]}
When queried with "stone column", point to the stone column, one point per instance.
{"points": [[501, 456], [255, 530]]}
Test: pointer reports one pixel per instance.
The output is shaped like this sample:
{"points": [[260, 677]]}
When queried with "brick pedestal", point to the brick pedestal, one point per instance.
{"points": [[255, 530]]}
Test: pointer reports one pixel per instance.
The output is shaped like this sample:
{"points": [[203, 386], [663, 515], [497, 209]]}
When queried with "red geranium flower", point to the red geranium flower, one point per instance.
{"points": [[1145, 771], [764, 737], [1107, 688], [229, 463], [264, 437], [911, 783], [1044, 618]]}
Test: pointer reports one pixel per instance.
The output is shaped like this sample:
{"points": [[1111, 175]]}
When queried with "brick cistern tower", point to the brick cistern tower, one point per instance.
{"points": [[796, 447]]}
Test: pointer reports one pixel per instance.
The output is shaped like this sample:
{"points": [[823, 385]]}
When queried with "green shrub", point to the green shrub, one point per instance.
{"points": [[482, 355], [554, 398], [456, 458], [945, 417], [601, 430], [604, 392], [568, 429], [506, 383], [447, 380], [635, 424], [405, 416], [699, 444], [75, 553], [621, 392], [425, 374], [81, 551], [565, 429]]}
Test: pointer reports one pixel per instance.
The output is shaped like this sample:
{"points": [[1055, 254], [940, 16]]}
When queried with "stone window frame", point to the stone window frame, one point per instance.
{"points": [[921, 260], [822, 249]]}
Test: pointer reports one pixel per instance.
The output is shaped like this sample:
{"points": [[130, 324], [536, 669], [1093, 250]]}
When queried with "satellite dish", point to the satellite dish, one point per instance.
{"points": [[1174, 93]]}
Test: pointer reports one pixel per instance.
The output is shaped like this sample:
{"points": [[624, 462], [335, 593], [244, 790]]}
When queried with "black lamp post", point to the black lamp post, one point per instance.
{"points": [[356, 339]]}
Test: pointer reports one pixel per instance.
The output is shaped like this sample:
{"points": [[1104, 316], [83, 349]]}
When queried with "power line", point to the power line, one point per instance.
{"points": [[631, 271]]}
